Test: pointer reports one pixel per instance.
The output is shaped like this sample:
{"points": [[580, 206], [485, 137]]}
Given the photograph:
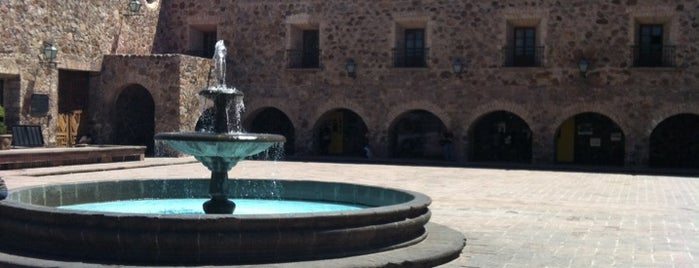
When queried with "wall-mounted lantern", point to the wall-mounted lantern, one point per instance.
{"points": [[583, 65], [351, 68], [49, 52], [134, 7], [457, 66]]}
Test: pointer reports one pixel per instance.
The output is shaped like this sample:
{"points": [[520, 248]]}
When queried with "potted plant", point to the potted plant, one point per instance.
{"points": [[5, 139]]}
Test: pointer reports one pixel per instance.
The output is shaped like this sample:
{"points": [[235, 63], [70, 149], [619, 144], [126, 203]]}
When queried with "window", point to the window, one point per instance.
{"points": [[202, 40], [208, 44], [413, 54], [411, 42], [650, 49], [305, 50], [522, 50], [410, 51]]}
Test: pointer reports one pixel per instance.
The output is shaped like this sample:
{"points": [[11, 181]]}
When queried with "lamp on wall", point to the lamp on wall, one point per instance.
{"points": [[134, 7], [50, 51], [457, 66], [351, 68], [583, 65]]}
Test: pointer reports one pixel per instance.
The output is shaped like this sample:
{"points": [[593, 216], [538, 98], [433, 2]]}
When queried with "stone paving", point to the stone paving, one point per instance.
{"points": [[511, 218]]}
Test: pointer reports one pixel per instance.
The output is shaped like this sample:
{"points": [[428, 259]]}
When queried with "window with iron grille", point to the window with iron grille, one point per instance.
{"points": [[650, 49], [523, 50], [412, 52]]}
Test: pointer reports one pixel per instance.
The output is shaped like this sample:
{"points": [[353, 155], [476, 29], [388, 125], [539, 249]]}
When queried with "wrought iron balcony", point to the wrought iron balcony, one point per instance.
{"points": [[410, 58], [523, 56], [299, 59], [653, 56]]}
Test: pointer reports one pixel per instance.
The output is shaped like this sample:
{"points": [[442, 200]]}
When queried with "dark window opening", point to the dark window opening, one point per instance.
{"points": [[308, 55], [413, 52], [523, 51], [208, 44], [650, 50]]}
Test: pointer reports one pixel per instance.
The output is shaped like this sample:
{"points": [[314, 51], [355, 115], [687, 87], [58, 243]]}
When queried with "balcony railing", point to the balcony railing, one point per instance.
{"points": [[523, 56], [303, 58], [653, 56], [410, 58]]}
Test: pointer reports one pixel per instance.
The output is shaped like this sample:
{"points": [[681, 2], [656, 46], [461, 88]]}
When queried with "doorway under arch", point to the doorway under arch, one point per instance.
{"points": [[340, 132], [590, 139], [274, 121], [675, 142], [416, 134], [135, 118], [501, 136]]}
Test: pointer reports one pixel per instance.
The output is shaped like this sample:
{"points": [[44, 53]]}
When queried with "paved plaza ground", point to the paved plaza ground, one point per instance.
{"points": [[511, 218]]}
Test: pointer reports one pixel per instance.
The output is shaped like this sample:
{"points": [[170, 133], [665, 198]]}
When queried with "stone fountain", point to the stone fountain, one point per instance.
{"points": [[222, 144], [391, 230]]}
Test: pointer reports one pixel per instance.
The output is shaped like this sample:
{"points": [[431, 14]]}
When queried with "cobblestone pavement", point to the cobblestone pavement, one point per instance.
{"points": [[511, 218]]}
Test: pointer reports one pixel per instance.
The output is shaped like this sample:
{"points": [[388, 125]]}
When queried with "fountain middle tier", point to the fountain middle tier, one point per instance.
{"points": [[219, 152]]}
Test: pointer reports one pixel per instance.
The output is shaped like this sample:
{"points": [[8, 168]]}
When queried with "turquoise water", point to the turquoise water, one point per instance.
{"points": [[194, 206]]}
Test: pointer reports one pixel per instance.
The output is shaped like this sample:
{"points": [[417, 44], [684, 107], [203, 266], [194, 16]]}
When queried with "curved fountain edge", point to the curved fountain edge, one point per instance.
{"points": [[398, 222]]}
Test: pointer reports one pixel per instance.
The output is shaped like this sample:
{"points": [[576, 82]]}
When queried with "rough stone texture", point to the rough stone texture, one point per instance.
{"points": [[173, 82], [257, 33], [83, 32], [637, 99]]}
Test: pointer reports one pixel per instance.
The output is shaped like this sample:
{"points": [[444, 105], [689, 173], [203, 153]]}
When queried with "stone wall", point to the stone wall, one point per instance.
{"points": [[258, 34], [476, 31], [83, 31], [172, 80]]}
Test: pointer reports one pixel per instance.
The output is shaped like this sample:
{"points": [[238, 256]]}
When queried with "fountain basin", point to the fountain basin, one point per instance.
{"points": [[209, 144], [32, 225]]}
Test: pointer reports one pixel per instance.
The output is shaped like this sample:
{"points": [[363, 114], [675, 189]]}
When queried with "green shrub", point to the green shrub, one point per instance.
{"points": [[3, 130]]}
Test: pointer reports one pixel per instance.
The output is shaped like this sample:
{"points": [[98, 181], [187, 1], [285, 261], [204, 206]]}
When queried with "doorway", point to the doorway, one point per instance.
{"points": [[135, 118]]}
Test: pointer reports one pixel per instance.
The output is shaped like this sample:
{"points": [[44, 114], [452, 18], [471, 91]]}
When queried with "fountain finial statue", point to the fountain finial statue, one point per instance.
{"points": [[220, 64]]}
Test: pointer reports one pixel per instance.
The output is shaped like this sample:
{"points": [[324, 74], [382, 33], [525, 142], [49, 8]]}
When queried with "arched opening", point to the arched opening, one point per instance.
{"points": [[416, 134], [501, 137], [274, 121], [135, 118], [590, 139], [340, 132], [675, 142]]}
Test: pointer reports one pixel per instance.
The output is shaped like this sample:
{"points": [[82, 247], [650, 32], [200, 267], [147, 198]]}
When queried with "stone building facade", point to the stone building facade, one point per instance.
{"points": [[521, 96]]}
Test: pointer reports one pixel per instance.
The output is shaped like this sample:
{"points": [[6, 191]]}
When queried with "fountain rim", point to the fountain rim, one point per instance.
{"points": [[220, 137], [417, 201]]}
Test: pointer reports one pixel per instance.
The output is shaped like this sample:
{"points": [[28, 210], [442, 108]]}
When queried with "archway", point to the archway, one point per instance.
{"points": [[675, 142], [417, 134], [135, 118], [340, 132], [272, 120], [501, 137], [590, 139]]}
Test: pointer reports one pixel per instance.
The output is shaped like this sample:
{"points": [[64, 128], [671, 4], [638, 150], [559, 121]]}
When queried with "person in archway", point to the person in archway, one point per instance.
{"points": [[447, 143]]}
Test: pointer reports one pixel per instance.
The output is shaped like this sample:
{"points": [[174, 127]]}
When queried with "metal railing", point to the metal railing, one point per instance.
{"points": [[653, 56], [410, 58], [523, 56], [298, 58]]}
